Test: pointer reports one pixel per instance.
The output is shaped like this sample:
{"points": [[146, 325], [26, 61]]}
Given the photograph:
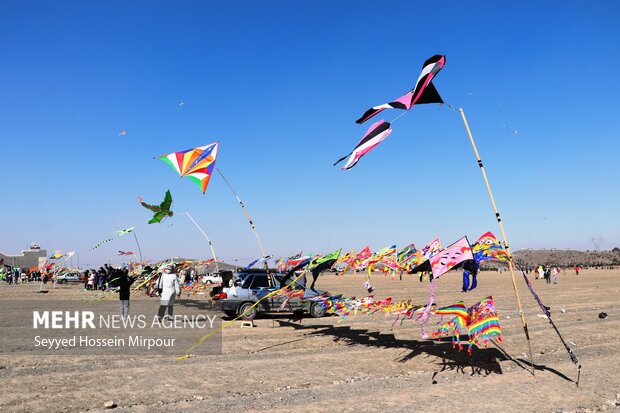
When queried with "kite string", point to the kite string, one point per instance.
{"points": [[217, 268], [399, 116], [260, 244]]}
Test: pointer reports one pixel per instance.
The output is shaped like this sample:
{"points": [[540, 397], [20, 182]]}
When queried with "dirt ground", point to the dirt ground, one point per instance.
{"points": [[355, 364]]}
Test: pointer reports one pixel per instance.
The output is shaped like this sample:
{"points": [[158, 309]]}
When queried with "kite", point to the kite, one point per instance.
{"points": [[407, 257], [431, 249], [373, 137], [345, 261], [125, 253], [361, 260], [122, 132], [121, 232], [456, 255], [258, 260], [480, 322], [162, 211], [449, 258], [423, 92], [318, 265], [196, 164], [487, 247]]}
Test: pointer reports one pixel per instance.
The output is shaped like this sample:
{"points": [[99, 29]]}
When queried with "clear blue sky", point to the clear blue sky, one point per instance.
{"points": [[280, 84]]}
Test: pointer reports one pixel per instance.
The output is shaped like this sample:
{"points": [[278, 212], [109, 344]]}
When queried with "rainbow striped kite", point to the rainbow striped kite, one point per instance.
{"points": [[196, 164]]}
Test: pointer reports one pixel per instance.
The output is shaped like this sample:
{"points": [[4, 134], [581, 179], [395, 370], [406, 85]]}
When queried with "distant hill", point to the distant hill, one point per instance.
{"points": [[568, 258]]}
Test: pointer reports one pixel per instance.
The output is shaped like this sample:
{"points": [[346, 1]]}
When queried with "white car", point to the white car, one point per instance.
{"points": [[70, 277], [211, 279]]}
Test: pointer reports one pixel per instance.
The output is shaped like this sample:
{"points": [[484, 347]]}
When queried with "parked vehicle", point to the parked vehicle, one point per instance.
{"points": [[249, 286], [72, 277], [214, 278]]}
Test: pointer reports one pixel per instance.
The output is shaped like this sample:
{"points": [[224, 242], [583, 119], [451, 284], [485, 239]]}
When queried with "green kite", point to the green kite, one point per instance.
{"points": [[162, 211]]}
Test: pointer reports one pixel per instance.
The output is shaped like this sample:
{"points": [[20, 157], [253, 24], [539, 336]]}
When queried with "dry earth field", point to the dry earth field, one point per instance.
{"points": [[356, 364]]}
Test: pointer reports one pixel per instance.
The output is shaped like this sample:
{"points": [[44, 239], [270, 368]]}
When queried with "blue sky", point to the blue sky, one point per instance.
{"points": [[280, 84]]}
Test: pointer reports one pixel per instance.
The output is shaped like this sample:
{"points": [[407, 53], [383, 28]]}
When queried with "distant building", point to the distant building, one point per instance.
{"points": [[32, 257]]}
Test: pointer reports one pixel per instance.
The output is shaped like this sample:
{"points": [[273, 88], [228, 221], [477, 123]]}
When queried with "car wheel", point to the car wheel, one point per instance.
{"points": [[317, 310], [248, 313]]}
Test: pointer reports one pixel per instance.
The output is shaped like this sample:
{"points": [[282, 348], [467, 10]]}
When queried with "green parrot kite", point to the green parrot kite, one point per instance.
{"points": [[162, 211]]}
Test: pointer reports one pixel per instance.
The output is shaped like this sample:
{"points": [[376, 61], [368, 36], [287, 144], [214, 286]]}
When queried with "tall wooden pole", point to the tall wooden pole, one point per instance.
{"points": [[501, 227]]}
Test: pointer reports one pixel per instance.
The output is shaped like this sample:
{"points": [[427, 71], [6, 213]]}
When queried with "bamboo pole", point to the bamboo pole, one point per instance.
{"points": [[506, 246]]}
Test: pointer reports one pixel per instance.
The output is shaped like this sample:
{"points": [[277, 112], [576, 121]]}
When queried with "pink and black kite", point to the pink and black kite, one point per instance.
{"points": [[375, 134], [423, 92]]}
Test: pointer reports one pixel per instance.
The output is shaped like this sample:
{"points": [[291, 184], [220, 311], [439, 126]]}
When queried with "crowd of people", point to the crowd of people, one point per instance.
{"points": [[548, 272], [15, 275]]}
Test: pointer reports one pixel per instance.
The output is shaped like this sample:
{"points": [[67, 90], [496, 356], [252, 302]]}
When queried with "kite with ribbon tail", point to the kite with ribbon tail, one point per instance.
{"points": [[423, 92], [118, 233], [457, 255]]}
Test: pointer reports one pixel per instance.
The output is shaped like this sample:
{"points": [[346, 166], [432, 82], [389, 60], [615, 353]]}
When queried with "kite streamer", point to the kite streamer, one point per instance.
{"points": [[119, 233], [546, 311], [480, 322], [373, 137]]}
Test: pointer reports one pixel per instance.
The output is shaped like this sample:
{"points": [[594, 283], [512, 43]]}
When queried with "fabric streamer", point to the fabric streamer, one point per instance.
{"points": [[546, 311]]}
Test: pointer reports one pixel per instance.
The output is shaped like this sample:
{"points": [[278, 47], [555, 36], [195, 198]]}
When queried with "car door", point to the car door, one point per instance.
{"points": [[290, 299], [257, 290]]}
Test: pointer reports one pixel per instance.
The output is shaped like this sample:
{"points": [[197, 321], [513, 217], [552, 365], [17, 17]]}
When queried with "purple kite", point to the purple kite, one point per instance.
{"points": [[375, 134], [423, 92]]}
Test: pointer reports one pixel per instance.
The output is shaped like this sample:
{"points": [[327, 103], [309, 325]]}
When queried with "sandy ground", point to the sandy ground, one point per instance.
{"points": [[356, 364]]}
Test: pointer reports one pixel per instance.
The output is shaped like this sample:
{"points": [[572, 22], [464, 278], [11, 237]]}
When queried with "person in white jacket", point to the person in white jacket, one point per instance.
{"points": [[169, 286]]}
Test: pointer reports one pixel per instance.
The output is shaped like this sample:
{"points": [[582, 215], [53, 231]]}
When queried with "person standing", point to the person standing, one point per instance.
{"points": [[554, 272], [168, 284], [124, 282]]}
